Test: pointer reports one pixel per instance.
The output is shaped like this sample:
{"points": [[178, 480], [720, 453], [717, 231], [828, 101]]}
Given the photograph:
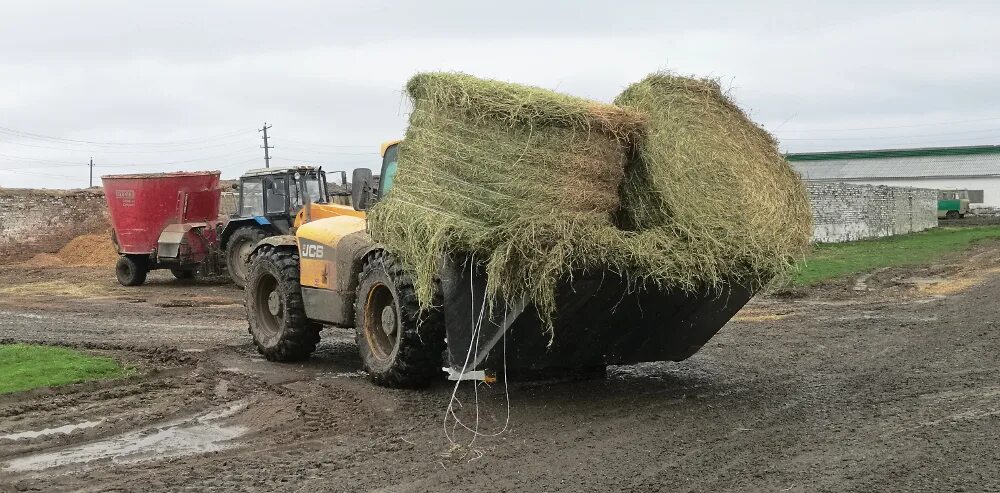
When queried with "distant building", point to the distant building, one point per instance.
{"points": [[974, 168]]}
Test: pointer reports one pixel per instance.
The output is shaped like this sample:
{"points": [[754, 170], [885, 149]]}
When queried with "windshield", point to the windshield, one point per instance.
{"points": [[313, 188], [388, 170]]}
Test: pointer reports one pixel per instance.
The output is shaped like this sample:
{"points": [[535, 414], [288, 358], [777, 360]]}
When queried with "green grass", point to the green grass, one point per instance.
{"points": [[833, 260], [26, 366]]}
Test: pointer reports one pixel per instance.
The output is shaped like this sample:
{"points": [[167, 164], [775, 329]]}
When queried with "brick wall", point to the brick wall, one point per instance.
{"points": [[34, 221], [848, 212]]}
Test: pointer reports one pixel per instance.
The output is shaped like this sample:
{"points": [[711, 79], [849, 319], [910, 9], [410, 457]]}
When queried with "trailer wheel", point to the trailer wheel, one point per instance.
{"points": [[400, 345], [238, 249], [278, 323], [131, 270], [182, 274], [951, 215]]}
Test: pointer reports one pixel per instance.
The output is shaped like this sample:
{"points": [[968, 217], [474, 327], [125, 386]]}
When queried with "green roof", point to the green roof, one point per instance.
{"points": [[888, 153]]}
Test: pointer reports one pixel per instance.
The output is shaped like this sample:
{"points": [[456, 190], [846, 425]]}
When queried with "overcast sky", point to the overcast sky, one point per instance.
{"points": [[157, 86]]}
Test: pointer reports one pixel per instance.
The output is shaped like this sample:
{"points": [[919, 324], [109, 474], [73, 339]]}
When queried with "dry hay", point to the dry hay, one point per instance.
{"points": [[712, 196], [537, 185], [60, 287]]}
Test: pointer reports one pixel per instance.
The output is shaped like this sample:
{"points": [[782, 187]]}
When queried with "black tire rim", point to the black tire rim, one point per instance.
{"points": [[381, 322], [269, 308]]}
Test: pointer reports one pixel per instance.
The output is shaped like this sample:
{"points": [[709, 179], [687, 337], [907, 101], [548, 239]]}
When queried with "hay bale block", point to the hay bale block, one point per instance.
{"points": [[524, 179], [707, 192]]}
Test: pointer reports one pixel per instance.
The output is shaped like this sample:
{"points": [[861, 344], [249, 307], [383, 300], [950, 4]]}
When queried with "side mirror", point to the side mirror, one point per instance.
{"points": [[361, 189]]}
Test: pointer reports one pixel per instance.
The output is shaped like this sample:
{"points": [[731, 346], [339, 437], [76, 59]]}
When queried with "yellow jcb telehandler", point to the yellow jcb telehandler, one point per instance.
{"points": [[330, 272]]}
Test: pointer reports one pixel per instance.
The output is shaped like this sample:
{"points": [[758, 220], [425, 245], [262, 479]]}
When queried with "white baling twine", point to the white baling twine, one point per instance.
{"points": [[474, 350]]}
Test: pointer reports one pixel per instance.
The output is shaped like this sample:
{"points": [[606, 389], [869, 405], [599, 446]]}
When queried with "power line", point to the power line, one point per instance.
{"points": [[168, 163], [31, 135], [129, 165], [320, 144], [331, 153], [129, 151], [34, 160], [47, 175]]}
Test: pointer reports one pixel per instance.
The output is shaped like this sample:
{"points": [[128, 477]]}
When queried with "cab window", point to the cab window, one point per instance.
{"points": [[252, 194], [389, 162], [314, 188], [275, 194]]}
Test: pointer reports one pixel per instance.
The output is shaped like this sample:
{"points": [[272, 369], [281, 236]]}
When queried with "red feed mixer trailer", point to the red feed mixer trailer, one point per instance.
{"points": [[164, 221]]}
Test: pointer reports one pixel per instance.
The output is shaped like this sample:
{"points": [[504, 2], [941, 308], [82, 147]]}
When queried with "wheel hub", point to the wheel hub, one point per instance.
{"points": [[389, 320], [245, 248], [274, 303]]}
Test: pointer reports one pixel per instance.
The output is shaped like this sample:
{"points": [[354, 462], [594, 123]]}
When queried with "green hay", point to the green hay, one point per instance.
{"points": [[673, 186], [712, 198], [523, 178]]}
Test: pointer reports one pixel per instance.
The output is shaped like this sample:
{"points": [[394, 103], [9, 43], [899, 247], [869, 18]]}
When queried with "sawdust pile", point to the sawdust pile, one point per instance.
{"points": [[92, 250]]}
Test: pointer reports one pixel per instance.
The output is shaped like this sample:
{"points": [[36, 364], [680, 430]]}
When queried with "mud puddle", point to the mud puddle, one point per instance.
{"points": [[58, 430], [206, 432]]}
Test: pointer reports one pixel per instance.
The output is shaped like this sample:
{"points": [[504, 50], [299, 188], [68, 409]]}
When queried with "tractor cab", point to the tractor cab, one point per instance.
{"points": [[269, 201], [275, 195]]}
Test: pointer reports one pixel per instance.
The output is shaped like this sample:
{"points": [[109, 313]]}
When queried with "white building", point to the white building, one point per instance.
{"points": [[975, 168]]}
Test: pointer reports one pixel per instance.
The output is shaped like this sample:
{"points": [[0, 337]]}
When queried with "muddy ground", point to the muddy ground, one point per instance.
{"points": [[882, 382]]}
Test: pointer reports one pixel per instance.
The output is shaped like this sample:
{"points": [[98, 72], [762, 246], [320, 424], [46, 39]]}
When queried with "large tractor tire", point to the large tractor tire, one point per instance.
{"points": [[131, 270], [238, 249], [400, 345], [273, 299]]}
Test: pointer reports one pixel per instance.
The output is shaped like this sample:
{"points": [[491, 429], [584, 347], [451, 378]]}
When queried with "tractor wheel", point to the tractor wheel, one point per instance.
{"points": [[952, 215], [182, 274], [400, 345], [277, 316], [238, 249], [131, 270]]}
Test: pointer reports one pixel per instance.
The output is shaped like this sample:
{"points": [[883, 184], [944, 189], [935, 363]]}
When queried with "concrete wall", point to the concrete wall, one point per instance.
{"points": [[852, 211], [33, 221]]}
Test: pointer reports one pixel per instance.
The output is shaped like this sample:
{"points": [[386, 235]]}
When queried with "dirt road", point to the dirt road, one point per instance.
{"points": [[895, 388]]}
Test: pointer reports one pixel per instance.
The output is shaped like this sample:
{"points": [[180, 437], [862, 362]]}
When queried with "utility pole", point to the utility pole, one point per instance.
{"points": [[91, 172], [267, 157]]}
